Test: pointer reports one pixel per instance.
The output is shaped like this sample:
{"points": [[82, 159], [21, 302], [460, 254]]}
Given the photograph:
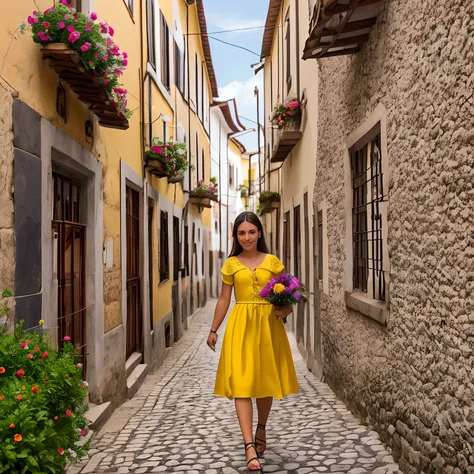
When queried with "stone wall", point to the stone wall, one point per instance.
{"points": [[412, 379]]}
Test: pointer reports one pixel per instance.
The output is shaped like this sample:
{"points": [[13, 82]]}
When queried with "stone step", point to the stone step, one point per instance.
{"points": [[132, 362], [98, 415], [135, 379]]}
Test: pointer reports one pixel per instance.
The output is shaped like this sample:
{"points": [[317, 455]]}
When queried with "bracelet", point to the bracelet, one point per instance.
{"points": [[213, 332]]}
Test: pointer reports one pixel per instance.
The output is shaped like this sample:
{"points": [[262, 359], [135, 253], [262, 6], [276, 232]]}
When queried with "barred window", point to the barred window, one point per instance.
{"points": [[367, 209]]}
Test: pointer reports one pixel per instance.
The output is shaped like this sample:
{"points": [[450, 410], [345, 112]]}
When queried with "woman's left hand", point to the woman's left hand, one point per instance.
{"points": [[282, 312]]}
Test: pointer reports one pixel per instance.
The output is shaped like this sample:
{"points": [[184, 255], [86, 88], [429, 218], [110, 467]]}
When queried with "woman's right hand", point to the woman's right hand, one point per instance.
{"points": [[212, 341]]}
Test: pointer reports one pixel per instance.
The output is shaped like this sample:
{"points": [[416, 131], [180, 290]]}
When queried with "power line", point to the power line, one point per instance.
{"points": [[250, 120], [234, 45], [228, 31]]}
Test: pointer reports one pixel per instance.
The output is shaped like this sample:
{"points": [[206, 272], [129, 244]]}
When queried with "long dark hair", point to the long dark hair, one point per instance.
{"points": [[251, 218]]}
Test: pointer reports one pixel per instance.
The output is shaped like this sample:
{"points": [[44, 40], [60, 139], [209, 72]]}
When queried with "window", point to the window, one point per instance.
{"points": [[165, 53], [203, 174], [164, 247], [151, 211], [196, 79], [297, 240], [306, 239], [186, 249], [288, 51], [368, 207], [231, 174], [287, 242], [202, 92], [178, 68], [176, 247], [77, 5], [150, 22], [197, 157]]}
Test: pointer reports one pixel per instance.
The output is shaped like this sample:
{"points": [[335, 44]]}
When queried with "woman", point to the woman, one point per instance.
{"points": [[255, 359]]}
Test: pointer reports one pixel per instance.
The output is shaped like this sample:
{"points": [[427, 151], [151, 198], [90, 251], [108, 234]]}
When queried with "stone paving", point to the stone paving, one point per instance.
{"points": [[175, 424]]}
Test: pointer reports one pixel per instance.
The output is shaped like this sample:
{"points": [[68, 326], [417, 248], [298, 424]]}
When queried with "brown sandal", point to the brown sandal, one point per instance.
{"points": [[252, 469], [260, 443]]}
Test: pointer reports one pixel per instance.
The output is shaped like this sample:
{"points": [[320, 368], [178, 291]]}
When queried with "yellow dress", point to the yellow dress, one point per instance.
{"points": [[255, 359]]}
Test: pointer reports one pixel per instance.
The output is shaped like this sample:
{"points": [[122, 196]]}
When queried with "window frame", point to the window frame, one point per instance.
{"points": [[165, 56], [151, 33], [164, 269], [288, 76]]}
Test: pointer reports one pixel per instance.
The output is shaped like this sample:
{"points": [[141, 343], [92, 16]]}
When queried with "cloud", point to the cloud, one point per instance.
{"points": [[243, 92]]}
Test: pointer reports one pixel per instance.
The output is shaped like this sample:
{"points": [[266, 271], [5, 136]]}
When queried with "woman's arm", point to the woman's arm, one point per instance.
{"points": [[219, 314]]}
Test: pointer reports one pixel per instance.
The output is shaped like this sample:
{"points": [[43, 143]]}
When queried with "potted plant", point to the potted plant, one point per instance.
{"points": [[86, 43], [244, 191], [167, 159], [203, 194], [269, 201], [287, 116]]}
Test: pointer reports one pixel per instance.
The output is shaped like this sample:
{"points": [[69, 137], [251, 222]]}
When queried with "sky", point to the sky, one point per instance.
{"points": [[235, 77]]}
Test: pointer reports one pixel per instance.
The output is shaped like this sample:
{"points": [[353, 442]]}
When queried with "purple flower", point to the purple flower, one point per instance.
{"points": [[297, 296]]}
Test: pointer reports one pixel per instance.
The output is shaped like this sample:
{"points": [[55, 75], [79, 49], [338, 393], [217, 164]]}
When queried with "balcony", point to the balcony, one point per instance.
{"points": [[286, 141], [339, 27]]}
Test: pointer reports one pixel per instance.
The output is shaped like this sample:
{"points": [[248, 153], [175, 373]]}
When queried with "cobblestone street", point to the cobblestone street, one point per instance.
{"points": [[175, 424]]}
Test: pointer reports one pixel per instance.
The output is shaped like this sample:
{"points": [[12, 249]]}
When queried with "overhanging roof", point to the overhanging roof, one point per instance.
{"points": [[234, 125], [206, 47], [240, 145], [270, 23]]}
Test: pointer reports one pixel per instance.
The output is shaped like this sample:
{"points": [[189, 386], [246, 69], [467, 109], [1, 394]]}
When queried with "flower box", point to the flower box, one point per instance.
{"points": [[156, 168], [67, 64], [200, 201], [204, 195], [270, 207], [175, 179], [205, 192], [167, 159]]}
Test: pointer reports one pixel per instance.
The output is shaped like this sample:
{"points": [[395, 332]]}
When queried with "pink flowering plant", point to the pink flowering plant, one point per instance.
{"points": [[284, 290], [42, 404], [204, 190], [172, 154], [90, 38], [287, 112]]}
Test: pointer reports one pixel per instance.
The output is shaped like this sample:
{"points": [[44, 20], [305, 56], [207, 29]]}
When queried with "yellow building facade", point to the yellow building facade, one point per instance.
{"points": [[96, 245]]}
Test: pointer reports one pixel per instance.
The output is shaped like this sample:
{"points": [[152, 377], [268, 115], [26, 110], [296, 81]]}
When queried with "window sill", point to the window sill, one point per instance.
{"points": [[367, 306]]}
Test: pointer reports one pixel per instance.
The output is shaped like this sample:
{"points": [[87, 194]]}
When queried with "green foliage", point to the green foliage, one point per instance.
{"points": [[206, 188], [41, 404], [172, 154], [4, 311], [267, 197]]}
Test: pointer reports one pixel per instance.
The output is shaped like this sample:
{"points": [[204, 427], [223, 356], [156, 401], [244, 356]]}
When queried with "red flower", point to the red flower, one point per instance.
{"points": [[56, 418], [2, 397], [2, 370], [17, 438], [12, 425], [23, 345], [31, 356], [60, 451], [20, 373], [45, 354], [46, 379], [111, 31], [67, 338], [20, 397], [36, 349], [35, 389], [68, 412]]}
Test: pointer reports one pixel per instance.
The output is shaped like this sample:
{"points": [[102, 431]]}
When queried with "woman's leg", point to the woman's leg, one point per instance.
{"points": [[264, 405], [244, 409]]}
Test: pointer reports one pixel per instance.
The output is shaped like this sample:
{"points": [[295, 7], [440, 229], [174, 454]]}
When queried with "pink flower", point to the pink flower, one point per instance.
{"points": [[125, 55], [96, 56], [83, 432], [71, 29], [106, 82], [157, 149], [125, 63], [79, 366], [61, 25], [67, 338], [84, 384], [85, 47], [105, 57], [288, 112], [41, 34], [46, 24], [44, 355], [75, 16], [118, 72], [64, 2], [111, 31], [104, 75], [61, 451], [93, 16], [32, 20], [66, 17], [88, 27], [23, 345], [91, 63], [48, 10]]}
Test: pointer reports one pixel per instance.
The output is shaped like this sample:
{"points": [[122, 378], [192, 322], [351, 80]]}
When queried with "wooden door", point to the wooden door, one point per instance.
{"points": [[69, 259], [134, 305]]}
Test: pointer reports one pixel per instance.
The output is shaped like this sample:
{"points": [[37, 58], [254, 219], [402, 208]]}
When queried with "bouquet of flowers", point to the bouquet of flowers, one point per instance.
{"points": [[284, 290]]}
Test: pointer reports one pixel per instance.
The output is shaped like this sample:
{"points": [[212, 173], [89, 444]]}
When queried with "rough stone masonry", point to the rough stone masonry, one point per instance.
{"points": [[413, 379]]}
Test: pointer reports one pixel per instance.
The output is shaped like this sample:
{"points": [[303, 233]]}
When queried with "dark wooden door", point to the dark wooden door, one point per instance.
{"points": [[134, 305], [69, 263]]}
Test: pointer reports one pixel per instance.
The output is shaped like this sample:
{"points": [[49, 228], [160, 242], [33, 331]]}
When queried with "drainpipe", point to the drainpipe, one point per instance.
{"points": [[188, 3]]}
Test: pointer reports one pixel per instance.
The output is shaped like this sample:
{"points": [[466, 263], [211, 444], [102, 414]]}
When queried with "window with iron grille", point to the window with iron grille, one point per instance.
{"points": [[165, 53], [368, 206], [164, 247]]}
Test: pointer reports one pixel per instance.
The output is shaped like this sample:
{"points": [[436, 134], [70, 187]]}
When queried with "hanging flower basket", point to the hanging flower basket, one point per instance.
{"points": [[167, 159], [82, 52]]}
